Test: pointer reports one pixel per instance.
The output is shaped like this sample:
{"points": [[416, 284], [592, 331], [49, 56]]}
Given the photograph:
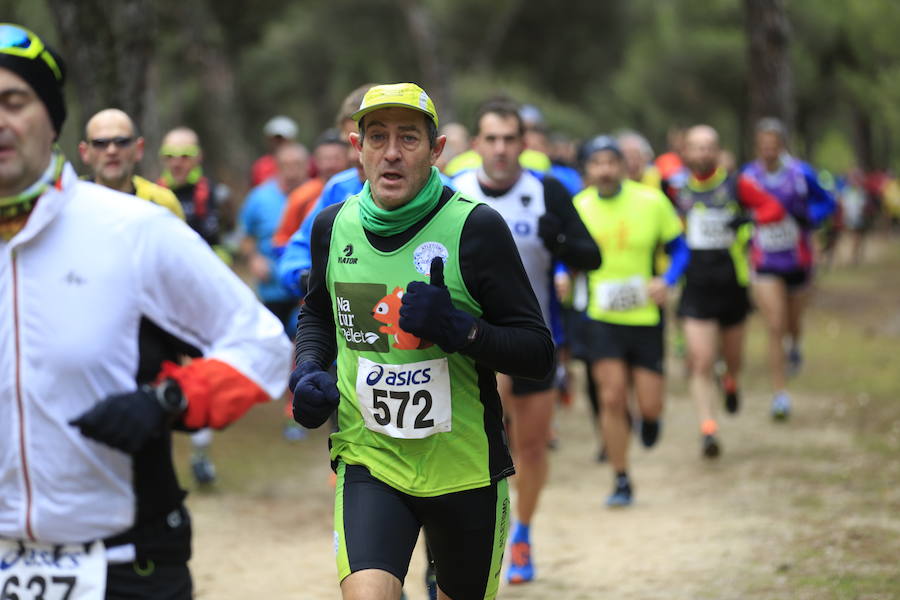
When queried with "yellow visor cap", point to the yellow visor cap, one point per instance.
{"points": [[401, 95]]}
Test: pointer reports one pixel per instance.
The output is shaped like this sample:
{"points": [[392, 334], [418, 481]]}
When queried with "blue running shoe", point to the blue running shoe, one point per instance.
{"points": [[781, 406], [622, 495], [521, 569]]}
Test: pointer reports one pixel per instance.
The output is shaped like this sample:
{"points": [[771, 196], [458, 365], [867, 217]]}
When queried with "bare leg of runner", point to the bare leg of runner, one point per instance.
{"points": [[702, 342], [733, 353], [702, 338], [531, 417], [649, 389], [371, 584], [772, 299], [797, 302], [612, 376]]}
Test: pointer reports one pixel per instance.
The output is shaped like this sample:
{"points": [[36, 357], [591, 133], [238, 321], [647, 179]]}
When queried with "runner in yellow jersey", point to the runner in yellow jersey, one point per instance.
{"points": [[625, 342]]}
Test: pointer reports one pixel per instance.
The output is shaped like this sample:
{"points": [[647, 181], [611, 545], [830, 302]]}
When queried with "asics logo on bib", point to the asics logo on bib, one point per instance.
{"points": [[375, 375], [412, 377]]}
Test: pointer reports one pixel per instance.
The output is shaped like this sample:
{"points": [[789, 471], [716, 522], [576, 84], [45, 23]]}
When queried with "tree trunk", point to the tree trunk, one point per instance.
{"points": [[222, 128], [771, 81], [107, 45], [864, 139], [436, 74], [495, 34]]}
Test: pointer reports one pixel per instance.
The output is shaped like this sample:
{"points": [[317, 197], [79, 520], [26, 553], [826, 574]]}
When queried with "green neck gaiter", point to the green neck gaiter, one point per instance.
{"points": [[391, 222], [22, 203], [192, 178]]}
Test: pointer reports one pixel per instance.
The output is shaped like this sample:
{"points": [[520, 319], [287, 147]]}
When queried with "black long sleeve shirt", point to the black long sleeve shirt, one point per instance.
{"points": [[578, 249], [512, 337]]}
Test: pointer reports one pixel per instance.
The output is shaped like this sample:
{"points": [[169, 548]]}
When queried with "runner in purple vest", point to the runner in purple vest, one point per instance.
{"points": [[781, 252]]}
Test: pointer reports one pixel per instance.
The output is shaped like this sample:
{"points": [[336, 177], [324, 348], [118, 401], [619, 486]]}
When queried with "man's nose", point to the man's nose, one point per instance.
{"points": [[392, 152]]}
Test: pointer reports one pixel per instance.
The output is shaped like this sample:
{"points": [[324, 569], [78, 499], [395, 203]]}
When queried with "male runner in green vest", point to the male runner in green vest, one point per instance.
{"points": [[421, 295]]}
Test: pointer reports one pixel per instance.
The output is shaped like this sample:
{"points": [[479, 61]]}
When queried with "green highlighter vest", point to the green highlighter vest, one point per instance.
{"points": [[409, 412], [628, 228]]}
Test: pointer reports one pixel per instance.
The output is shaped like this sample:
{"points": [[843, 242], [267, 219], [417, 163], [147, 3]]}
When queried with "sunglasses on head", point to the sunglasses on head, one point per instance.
{"points": [[18, 41], [118, 141], [179, 151]]}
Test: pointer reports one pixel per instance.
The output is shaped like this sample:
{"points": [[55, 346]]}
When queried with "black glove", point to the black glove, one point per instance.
{"points": [[124, 421], [738, 221], [550, 230], [427, 312], [803, 220], [315, 394]]}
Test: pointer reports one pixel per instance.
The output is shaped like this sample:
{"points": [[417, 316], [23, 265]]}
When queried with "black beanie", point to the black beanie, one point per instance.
{"points": [[37, 73]]}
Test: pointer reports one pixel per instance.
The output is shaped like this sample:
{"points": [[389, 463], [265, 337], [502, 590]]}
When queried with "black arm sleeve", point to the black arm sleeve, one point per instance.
{"points": [[315, 338], [512, 337], [579, 250]]}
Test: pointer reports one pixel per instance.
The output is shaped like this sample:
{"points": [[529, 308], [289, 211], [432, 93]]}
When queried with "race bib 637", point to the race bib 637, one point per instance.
{"points": [[31, 571]]}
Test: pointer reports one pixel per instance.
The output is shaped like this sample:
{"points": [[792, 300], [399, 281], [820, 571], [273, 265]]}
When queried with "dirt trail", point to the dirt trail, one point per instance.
{"points": [[789, 511], [697, 529]]}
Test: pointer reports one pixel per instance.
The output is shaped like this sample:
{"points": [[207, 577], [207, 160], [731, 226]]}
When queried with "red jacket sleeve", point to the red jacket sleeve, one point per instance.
{"points": [[217, 393], [766, 207]]}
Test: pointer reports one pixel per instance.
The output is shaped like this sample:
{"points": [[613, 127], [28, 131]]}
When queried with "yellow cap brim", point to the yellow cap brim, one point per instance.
{"points": [[363, 112]]}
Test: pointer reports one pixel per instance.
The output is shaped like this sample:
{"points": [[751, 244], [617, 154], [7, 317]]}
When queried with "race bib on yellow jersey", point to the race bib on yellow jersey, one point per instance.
{"points": [[623, 294], [708, 229], [778, 237], [407, 401], [32, 571]]}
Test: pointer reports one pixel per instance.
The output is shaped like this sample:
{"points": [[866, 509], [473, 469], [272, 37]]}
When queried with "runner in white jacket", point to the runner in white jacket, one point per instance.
{"points": [[97, 290]]}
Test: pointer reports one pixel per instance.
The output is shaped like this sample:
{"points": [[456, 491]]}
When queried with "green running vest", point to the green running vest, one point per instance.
{"points": [[409, 412]]}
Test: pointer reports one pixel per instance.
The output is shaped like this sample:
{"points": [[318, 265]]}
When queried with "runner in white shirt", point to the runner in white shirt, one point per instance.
{"points": [[96, 287], [546, 228]]}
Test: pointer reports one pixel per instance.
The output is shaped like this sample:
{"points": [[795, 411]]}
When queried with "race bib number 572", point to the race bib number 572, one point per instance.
{"points": [[408, 401], [31, 571]]}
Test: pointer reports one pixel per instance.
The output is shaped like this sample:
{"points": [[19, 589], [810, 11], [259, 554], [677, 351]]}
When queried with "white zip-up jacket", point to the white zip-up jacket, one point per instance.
{"points": [[74, 286]]}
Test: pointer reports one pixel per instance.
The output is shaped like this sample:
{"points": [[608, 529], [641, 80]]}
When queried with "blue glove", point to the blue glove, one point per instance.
{"points": [[315, 394], [427, 312], [124, 421]]}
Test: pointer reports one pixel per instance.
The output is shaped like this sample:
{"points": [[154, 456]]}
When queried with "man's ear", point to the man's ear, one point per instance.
{"points": [[138, 149], [83, 151], [356, 141], [438, 149]]}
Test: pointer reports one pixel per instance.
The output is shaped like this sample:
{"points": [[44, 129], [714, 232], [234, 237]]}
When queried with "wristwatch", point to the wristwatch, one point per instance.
{"points": [[170, 397]]}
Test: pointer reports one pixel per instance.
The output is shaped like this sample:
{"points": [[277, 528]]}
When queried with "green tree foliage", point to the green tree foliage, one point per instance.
{"points": [[590, 66]]}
